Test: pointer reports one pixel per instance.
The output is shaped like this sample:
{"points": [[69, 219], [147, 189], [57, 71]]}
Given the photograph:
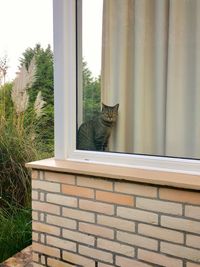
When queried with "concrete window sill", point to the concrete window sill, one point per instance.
{"points": [[166, 178]]}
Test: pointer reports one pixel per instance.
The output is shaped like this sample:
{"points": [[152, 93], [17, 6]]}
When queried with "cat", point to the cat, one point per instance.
{"points": [[94, 134]]}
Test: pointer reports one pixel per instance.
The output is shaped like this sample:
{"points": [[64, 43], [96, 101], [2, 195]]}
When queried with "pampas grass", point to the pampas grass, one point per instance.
{"points": [[19, 120]]}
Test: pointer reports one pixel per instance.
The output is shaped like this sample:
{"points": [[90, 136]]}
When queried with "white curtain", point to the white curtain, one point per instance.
{"points": [[151, 67]]}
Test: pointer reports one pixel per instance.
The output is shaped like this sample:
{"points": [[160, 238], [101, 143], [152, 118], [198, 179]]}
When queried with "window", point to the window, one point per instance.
{"points": [[149, 66]]}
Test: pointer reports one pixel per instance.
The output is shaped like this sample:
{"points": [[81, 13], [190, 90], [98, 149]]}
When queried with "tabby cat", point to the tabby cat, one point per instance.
{"points": [[94, 134]]}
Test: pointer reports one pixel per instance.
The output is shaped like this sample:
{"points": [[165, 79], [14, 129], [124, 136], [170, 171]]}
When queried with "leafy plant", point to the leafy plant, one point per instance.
{"points": [[26, 134], [15, 225], [15, 150], [43, 84], [91, 94]]}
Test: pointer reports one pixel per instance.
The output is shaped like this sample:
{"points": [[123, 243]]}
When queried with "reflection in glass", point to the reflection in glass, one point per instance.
{"points": [[150, 65]]}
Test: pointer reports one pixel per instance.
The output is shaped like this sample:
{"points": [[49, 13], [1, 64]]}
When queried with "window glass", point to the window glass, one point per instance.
{"points": [[139, 77]]}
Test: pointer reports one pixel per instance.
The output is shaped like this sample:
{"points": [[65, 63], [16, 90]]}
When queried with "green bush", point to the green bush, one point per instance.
{"points": [[26, 134], [16, 148], [15, 225]]}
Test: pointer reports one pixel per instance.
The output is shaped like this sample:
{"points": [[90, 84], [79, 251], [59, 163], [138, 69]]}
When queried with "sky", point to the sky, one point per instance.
{"points": [[23, 24], [27, 22]]}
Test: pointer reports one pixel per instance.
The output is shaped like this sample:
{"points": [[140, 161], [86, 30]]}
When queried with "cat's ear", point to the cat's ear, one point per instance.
{"points": [[116, 107], [103, 106]]}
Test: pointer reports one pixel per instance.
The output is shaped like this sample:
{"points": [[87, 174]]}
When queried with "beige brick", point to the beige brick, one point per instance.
{"points": [[180, 251], [62, 222], [60, 178], [43, 260], [79, 237], [35, 236], [42, 238], [35, 257], [180, 196], [137, 215], [56, 263], [115, 198], [45, 228], [61, 243], [96, 254], [96, 230], [190, 264], [125, 262], [115, 247], [181, 224], [137, 240], [77, 259], [42, 196], [41, 175], [193, 241], [34, 174], [104, 265], [136, 189], [42, 217], [53, 252], [77, 191], [159, 206], [116, 223], [37, 265], [95, 183], [62, 200], [78, 214], [96, 206], [35, 195], [158, 259], [46, 186], [161, 233], [35, 215], [46, 207], [192, 212]]}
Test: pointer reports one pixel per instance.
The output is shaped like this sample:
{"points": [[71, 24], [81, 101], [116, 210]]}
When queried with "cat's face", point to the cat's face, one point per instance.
{"points": [[109, 114]]}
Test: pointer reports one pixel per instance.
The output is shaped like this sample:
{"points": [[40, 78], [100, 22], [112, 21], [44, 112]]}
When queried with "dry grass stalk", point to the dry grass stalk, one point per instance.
{"points": [[24, 80], [39, 104]]}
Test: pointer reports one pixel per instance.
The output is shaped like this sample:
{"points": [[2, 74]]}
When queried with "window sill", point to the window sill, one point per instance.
{"points": [[166, 178]]}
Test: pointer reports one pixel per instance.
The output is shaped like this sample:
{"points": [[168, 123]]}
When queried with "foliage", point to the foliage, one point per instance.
{"points": [[43, 84], [91, 94], [3, 68], [26, 134], [45, 133], [26, 131], [15, 234], [16, 148], [44, 72], [6, 104]]}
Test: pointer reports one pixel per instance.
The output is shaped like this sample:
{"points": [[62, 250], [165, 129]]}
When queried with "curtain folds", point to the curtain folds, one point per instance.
{"points": [[151, 67]]}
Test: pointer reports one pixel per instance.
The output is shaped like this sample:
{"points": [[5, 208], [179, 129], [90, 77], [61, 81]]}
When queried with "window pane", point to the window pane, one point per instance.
{"points": [[141, 59]]}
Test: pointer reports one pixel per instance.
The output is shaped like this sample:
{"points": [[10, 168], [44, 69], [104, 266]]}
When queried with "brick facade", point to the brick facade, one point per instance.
{"points": [[94, 222]]}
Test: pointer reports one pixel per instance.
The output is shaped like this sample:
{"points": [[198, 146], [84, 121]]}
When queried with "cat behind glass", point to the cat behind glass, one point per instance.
{"points": [[94, 134]]}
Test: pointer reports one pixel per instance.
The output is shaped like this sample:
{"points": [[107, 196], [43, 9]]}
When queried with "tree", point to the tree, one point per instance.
{"points": [[91, 94], [44, 72], [43, 86]]}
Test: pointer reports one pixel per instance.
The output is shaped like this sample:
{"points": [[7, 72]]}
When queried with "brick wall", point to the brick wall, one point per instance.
{"points": [[95, 222]]}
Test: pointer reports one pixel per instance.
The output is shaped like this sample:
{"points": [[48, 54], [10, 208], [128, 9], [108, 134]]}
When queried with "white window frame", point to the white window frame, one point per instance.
{"points": [[65, 104]]}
